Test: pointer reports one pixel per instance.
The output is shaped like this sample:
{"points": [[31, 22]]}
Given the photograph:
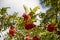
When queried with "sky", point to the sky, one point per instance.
{"points": [[17, 6]]}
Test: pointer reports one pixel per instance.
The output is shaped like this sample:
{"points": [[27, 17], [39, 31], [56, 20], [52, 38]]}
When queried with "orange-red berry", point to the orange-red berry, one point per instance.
{"points": [[12, 27], [51, 28], [12, 32], [29, 25], [36, 38], [27, 37], [26, 16]]}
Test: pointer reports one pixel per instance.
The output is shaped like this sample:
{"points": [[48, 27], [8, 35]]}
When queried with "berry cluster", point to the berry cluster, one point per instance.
{"points": [[12, 31]]}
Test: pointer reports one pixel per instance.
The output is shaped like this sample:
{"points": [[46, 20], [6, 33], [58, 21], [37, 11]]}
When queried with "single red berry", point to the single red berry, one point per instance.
{"points": [[51, 28], [26, 16], [12, 27], [27, 37], [35, 38], [29, 25], [12, 32]]}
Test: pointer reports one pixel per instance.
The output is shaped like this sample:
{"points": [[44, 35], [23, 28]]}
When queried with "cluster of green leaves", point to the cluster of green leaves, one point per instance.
{"points": [[54, 7], [52, 15]]}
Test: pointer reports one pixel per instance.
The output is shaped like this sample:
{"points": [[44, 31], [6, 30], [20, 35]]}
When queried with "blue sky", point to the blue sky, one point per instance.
{"points": [[17, 5]]}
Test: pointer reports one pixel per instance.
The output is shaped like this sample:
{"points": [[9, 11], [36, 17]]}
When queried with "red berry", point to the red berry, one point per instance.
{"points": [[12, 32], [12, 27], [29, 25], [27, 37], [35, 38], [51, 28], [26, 16]]}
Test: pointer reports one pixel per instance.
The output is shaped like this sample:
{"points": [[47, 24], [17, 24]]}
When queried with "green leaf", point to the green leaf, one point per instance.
{"points": [[36, 8]]}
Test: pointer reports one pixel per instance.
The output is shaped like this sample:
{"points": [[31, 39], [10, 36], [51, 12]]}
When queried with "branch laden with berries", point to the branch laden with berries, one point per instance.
{"points": [[24, 28]]}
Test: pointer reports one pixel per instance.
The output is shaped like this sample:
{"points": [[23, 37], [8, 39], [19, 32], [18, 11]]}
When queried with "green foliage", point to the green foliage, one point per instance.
{"points": [[50, 17]]}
